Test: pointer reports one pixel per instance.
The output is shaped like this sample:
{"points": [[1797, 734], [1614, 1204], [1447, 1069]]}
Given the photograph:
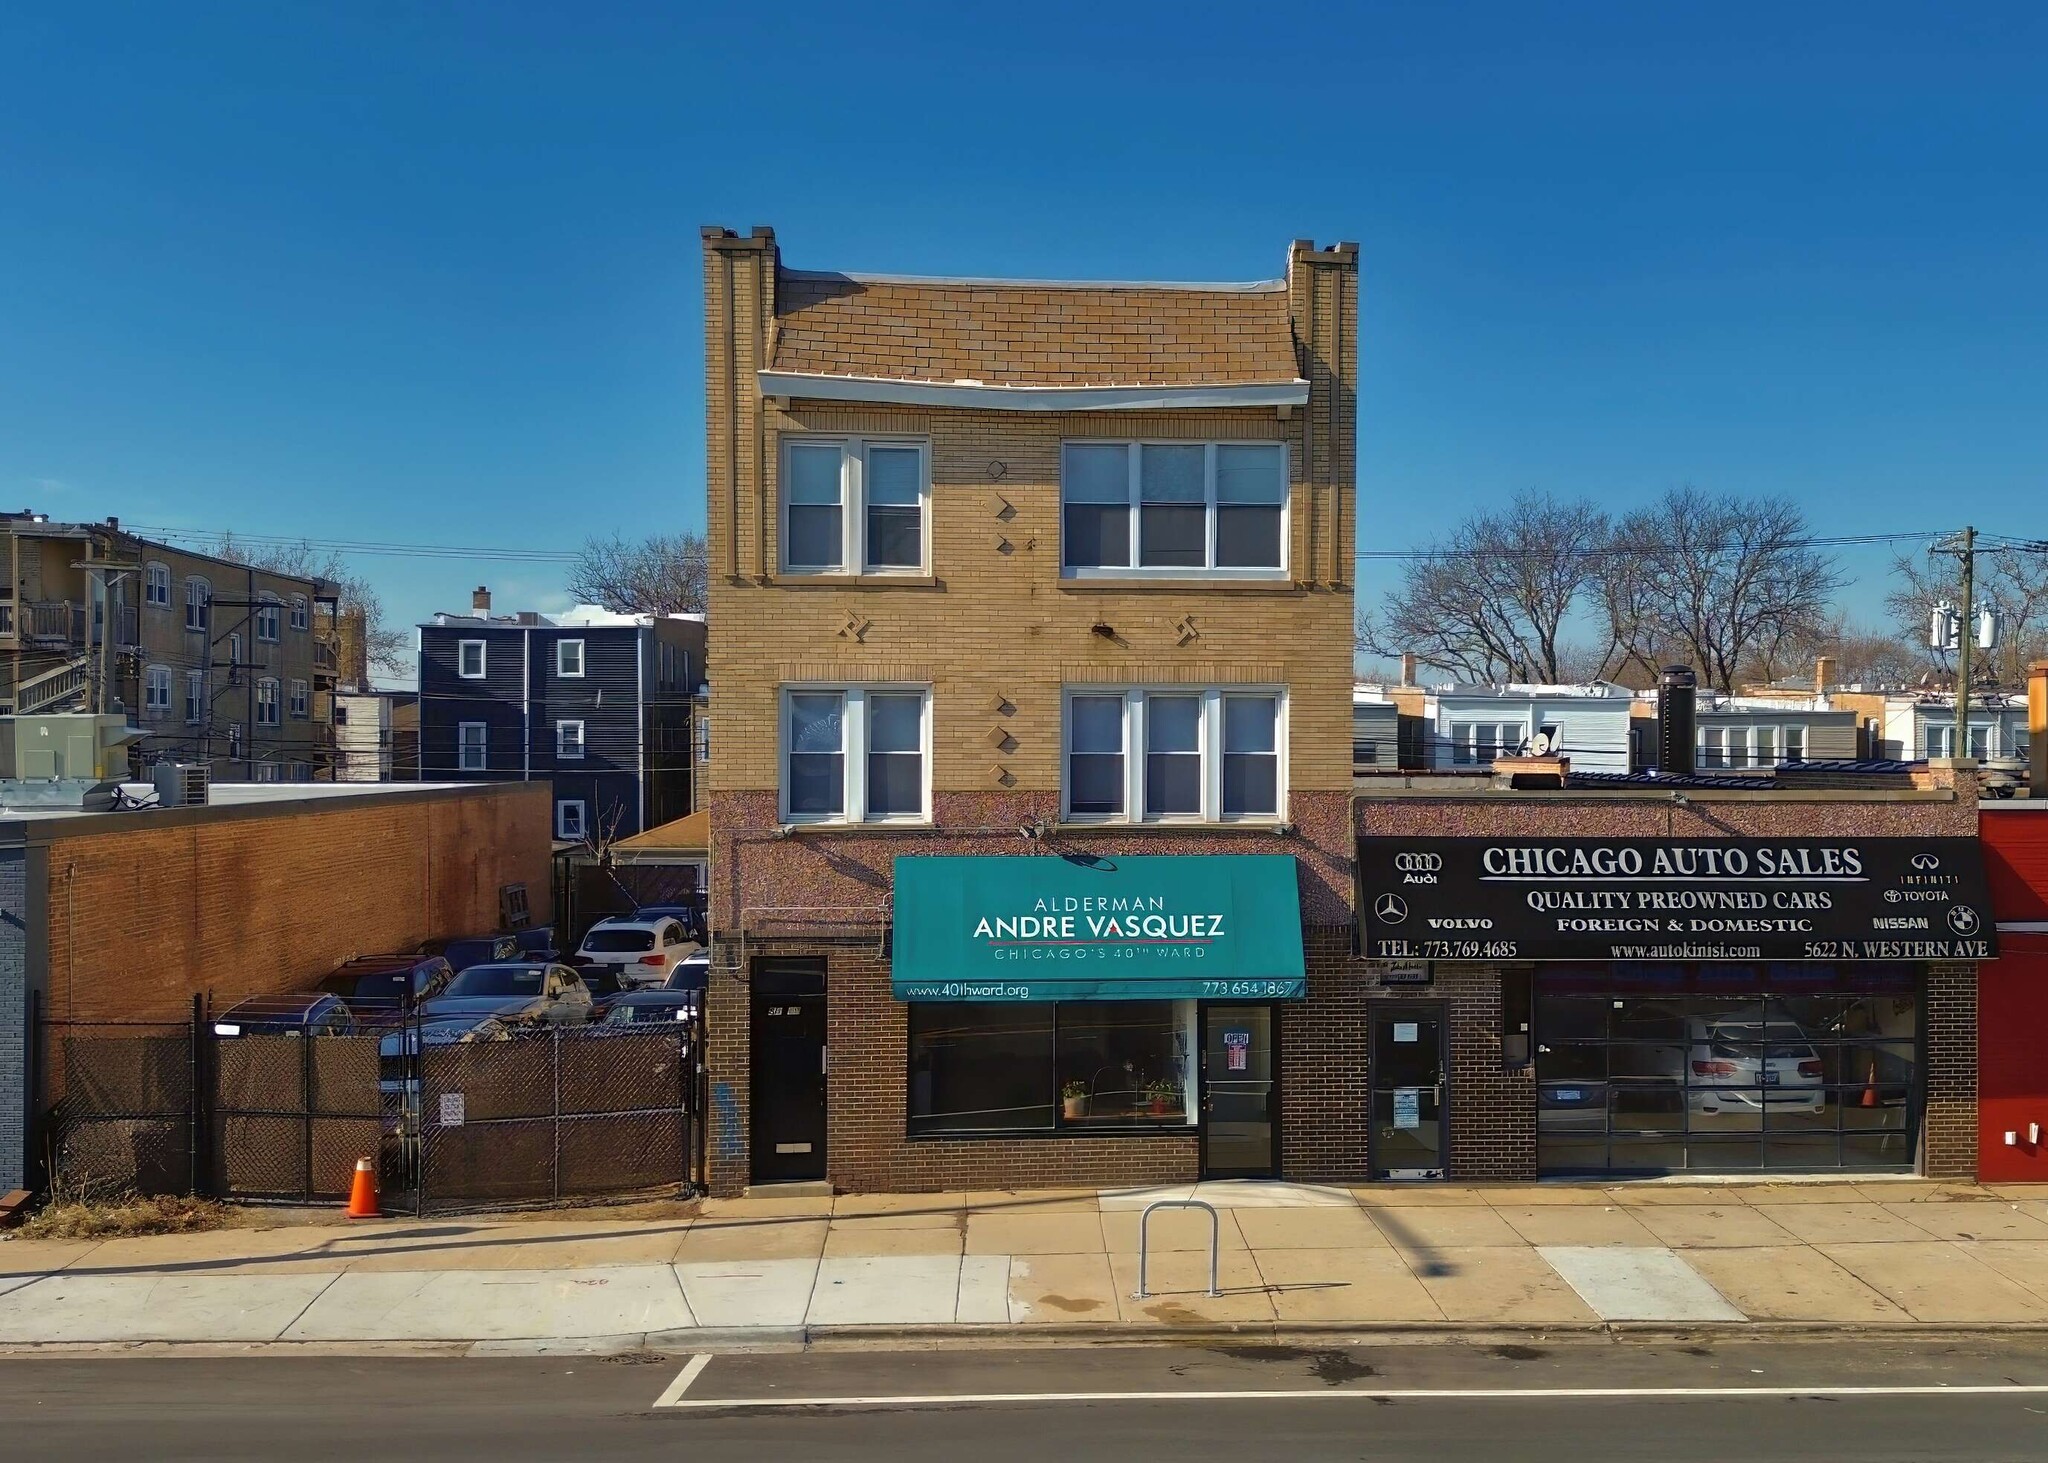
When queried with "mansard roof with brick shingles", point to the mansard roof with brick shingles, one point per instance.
{"points": [[1031, 344]]}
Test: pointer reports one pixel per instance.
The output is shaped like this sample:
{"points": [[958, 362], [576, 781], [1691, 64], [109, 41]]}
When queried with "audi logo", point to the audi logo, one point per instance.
{"points": [[1925, 862], [1418, 863]]}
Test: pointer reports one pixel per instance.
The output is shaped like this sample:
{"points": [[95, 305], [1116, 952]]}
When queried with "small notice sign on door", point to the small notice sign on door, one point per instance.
{"points": [[1407, 1107], [451, 1110], [1237, 1046], [1407, 1031]]}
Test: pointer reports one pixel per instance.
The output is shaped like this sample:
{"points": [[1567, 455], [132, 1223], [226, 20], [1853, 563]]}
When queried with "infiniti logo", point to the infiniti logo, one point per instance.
{"points": [[1925, 862], [1418, 863], [1390, 909]]}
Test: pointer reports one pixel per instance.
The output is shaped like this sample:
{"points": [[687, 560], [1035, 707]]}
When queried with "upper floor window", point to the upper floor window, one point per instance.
{"points": [[1478, 743], [156, 586], [1212, 755], [266, 702], [854, 504], [301, 702], [569, 820], [1171, 508], [195, 697], [469, 660], [569, 658], [269, 617], [156, 690], [198, 604], [302, 612], [856, 754], [569, 741]]}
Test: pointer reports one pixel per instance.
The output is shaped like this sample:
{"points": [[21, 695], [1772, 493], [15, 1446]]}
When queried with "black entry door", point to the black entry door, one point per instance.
{"points": [[1410, 1096], [1240, 1088], [788, 1042]]}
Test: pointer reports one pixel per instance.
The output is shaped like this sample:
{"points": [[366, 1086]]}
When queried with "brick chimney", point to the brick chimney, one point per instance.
{"points": [[480, 600], [2037, 729], [1407, 667], [1823, 674]]}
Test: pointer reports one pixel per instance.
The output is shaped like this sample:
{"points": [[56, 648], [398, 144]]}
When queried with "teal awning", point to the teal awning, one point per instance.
{"points": [[1082, 927]]}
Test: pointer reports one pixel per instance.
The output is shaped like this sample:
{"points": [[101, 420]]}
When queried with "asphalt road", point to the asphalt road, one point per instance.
{"points": [[1669, 1403]]}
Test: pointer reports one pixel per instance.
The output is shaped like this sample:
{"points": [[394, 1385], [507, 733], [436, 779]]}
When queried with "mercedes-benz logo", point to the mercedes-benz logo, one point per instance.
{"points": [[1962, 919], [1926, 862], [1390, 909]]}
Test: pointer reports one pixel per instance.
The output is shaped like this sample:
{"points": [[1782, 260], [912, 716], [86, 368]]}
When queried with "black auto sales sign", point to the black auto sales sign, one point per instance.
{"points": [[1667, 899]]}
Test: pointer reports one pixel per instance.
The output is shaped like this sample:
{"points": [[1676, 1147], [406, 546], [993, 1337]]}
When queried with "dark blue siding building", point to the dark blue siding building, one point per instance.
{"points": [[597, 703]]}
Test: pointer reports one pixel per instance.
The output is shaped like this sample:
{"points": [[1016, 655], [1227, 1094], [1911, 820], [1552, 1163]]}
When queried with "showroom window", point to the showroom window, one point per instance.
{"points": [[1070, 1067], [1726, 1068], [1176, 753]]}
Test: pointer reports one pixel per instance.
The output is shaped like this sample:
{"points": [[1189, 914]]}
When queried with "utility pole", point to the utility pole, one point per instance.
{"points": [[1966, 640]]}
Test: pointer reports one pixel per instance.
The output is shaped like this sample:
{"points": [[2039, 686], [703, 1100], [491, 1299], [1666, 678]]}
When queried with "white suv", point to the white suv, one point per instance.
{"points": [[641, 951]]}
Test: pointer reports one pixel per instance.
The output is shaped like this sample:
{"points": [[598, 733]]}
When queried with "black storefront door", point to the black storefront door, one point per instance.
{"points": [[1240, 1093], [789, 1067], [1410, 1093]]}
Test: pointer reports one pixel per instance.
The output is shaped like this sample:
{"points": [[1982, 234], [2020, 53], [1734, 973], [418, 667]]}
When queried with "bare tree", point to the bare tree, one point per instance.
{"points": [[1725, 584], [386, 647], [1491, 602], [2012, 580], [661, 575]]}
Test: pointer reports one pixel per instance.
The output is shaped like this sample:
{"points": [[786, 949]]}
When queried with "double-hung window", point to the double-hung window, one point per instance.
{"points": [[301, 704], [569, 741], [156, 690], [1795, 743], [852, 504], [469, 660], [195, 697], [198, 604], [268, 617], [1478, 743], [1173, 508], [856, 754], [472, 746], [266, 702], [156, 586], [569, 658], [302, 615], [569, 820], [1209, 755]]}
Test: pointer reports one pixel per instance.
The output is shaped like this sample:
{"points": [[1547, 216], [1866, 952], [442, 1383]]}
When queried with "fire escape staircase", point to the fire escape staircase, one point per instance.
{"points": [[52, 689]]}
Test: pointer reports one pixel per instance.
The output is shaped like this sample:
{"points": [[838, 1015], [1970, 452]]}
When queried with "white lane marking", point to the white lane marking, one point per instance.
{"points": [[692, 1369], [1419, 1394]]}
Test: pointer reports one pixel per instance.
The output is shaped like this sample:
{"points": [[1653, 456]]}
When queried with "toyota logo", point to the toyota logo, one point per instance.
{"points": [[1418, 863], [1390, 909], [1963, 919], [1926, 862]]}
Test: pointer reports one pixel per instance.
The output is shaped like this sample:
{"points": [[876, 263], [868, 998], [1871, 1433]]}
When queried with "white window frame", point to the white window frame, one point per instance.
{"points": [[156, 690], [198, 606], [1135, 501], [561, 742], [302, 613], [1785, 735], [195, 697], [563, 833], [268, 706], [853, 504], [270, 620], [853, 748], [582, 660], [462, 659], [156, 584], [463, 746], [1462, 735], [1212, 752], [300, 703]]}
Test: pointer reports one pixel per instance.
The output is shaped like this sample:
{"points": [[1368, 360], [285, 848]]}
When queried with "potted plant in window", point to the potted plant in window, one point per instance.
{"points": [[1165, 1098], [1074, 1100]]}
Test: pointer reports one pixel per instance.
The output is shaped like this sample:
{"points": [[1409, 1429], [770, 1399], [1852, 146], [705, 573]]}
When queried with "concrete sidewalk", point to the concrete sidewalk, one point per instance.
{"points": [[1900, 1254]]}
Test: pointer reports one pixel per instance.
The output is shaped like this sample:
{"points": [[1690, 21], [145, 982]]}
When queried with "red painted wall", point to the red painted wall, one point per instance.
{"points": [[2012, 1000]]}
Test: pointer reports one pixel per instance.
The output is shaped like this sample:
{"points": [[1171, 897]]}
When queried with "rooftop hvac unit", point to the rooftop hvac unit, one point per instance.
{"points": [[181, 784]]}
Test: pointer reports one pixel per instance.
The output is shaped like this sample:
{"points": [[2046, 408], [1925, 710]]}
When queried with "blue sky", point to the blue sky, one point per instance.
{"points": [[430, 273]]}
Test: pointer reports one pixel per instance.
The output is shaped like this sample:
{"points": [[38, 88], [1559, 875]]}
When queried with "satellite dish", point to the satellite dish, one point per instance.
{"points": [[1540, 745]]}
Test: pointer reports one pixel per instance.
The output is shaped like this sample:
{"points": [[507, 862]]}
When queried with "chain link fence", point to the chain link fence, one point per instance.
{"points": [[473, 1118]]}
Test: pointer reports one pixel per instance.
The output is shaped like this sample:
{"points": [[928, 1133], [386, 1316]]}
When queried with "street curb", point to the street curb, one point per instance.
{"points": [[729, 1339]]}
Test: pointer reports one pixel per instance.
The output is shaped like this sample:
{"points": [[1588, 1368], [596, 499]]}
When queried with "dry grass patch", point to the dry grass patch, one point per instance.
{"points": [[124, 1216]]}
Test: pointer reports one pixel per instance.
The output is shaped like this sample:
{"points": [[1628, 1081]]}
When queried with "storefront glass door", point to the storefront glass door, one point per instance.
{"points": [[1240, 1093], [1409, 1093]]}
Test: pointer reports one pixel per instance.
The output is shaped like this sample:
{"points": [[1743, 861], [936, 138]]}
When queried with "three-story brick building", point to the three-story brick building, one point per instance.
{"points": [[1031, 630]]}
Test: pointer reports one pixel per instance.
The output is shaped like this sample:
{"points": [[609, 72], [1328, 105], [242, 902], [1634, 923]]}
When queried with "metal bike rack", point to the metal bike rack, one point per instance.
{"points": [[1215, 1237]]}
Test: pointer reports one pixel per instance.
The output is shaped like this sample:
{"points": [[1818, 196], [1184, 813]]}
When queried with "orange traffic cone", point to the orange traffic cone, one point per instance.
{"points": [[1870, 1085], [362, 1195]]}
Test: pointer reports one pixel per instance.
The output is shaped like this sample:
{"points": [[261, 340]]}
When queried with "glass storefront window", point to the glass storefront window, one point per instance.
{"points": [[1075, 1066], [1664, 1068]]}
